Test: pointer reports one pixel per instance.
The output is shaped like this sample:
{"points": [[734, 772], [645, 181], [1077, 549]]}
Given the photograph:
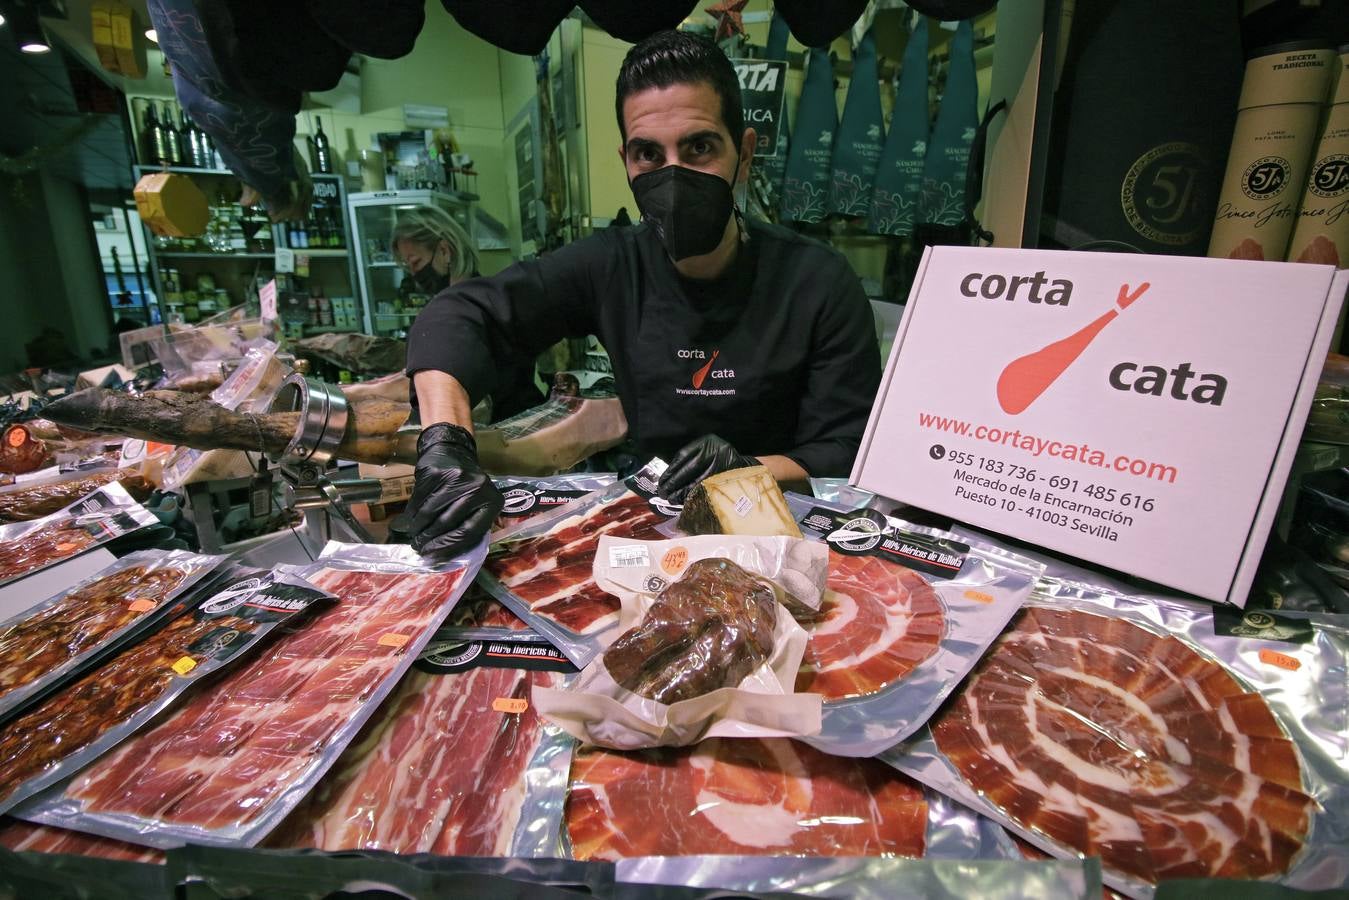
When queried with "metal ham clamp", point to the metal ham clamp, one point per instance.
{"points": [[325, 502]]}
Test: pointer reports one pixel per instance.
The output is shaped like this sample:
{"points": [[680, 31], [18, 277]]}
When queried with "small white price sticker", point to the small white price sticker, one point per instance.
{"points": [[630, 557], [743, 506]]}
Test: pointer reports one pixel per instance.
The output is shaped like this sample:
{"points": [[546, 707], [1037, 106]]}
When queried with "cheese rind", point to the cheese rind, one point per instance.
{"points": [[741, 501]]}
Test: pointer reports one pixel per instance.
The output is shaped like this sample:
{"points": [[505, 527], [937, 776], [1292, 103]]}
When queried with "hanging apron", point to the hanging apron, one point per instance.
{"points": [[857, 148], [948, 152], [899, 177], [805, 190]]}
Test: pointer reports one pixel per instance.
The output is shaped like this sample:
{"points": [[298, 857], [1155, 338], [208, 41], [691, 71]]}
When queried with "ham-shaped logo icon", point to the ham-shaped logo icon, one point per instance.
{"points": [[1026, 378], [701, 375]]}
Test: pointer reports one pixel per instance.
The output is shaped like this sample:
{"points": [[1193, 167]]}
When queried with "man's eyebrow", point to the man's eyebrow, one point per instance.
{"points": [[636, 144]]}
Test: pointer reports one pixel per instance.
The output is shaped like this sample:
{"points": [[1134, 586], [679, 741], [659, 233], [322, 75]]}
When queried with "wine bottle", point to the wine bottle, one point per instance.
{"points": [[167, 143], [182, 138], [149, 136], [323, 155]]}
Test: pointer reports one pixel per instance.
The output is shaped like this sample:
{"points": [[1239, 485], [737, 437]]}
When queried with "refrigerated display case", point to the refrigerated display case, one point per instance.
{"points": [[390, 306]]}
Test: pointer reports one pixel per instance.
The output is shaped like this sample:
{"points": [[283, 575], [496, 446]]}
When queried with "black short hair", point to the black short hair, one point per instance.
{"points": [[677, 57]]}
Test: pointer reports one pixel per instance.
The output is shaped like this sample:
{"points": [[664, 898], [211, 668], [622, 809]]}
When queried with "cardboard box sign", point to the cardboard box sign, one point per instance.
{"points": [[1141, 412], [171, 204], [117, 38]]}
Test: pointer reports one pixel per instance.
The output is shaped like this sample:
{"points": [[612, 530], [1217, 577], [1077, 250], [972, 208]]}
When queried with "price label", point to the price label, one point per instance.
{"points": [[142, 605], [397, 641], [675, 559], [978, 597], [510, 704], [184, 665], [1279, 660]]}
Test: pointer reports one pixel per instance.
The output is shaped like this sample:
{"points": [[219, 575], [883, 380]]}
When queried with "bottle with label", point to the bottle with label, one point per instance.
{"points": [[321, 156], [1321, 234], [182, 136], [150, 136], [166, 138], [237, 242]]}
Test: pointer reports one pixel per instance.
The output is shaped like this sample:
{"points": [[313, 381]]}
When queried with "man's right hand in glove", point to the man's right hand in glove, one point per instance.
{"points": [[453, 503]]}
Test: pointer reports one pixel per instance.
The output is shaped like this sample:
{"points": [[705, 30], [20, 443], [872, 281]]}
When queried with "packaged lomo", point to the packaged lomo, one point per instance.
{"points": [[24, 502], [460, 728], [52, 643], [709, 643], [541, 570], [107, 513], [908, 612], [762, 797], [209, 630], [227, 767], [894, 879], [1177, 740]]}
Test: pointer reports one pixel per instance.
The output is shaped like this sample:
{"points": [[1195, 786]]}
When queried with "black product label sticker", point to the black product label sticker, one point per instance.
{"points": [[522, 500], [866, 532], [444, 657], [264, 597], [220, 643], [1261, 625], [645, 484]]}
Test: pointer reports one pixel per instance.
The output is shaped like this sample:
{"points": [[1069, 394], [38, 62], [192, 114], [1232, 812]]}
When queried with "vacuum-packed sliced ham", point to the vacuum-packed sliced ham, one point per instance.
{"points": [[1131, 746], [880, 620], [16, 835], [479, 609], [227, 765], [440, 769], [552, 572], [766, 797]]}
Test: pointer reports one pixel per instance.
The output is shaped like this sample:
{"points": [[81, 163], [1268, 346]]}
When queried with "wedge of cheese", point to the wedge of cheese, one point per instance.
{"points": [[741, 501]]}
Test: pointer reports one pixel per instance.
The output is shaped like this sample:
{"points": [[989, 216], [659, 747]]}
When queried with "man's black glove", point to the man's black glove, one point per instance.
{"points": [[453, 503], [697, 460]]}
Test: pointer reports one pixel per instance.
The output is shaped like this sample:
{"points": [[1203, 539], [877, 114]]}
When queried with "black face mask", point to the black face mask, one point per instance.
{"points": [[687, 208], [429, 281]]}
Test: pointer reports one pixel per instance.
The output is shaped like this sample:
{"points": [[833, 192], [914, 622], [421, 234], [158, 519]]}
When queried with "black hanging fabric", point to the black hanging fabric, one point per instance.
{"points": [[386, 29], [519, 26], [815, 23], [630, 20]]}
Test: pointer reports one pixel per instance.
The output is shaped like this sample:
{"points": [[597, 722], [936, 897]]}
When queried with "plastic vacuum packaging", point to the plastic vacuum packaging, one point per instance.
{"points": [[529, 498], [480, 617], [451, 764], [229, 766], [542, 570], [22, 503], [107, 513], [1170, 738], [52, 642], [908, 612], [308, 875], [25, 875], [869, 878], [709, 646], [754, 797], [211, 630], [27, 837]]}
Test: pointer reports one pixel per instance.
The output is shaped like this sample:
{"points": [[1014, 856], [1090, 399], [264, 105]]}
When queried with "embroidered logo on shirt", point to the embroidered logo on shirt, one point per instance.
{"points": [[701, 375]]}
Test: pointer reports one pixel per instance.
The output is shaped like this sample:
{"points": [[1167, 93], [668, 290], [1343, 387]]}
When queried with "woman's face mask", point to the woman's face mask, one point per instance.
{"points": [[687, 208], [428, 280]]}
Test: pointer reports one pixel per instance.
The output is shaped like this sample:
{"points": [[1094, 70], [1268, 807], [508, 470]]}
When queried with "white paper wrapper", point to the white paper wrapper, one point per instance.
{"points": [[598, 710]]}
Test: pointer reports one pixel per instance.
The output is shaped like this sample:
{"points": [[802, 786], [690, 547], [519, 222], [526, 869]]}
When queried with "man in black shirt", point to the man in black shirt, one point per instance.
{"points": [[733, 343]]}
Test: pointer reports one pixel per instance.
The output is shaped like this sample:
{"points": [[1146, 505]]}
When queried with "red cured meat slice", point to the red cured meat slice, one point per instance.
{"points": [[1117, 742], [260, 727], [437, 770], [16, 835], [742, 796], [479, 609], [60, 539], [881, 620], [551, 572]]}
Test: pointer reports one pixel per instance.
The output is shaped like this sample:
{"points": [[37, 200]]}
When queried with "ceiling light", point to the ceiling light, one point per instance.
{"points": [[34, 47], [2, 19], [150, 34], [28, 30]]}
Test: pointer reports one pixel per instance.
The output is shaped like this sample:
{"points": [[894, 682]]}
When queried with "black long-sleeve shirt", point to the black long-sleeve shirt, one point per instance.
{"points": [[778, 356]]}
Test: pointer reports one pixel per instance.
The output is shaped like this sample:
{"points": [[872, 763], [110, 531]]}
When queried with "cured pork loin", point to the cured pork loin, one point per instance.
{"points": [[57, 540], [880, 620], [552, 572], [479, 609], [80, 621], [226, 757], [438, 770], [1119, 743], [45, 499], [81, 713], [708, 630], [16, 835], [742, 796]]}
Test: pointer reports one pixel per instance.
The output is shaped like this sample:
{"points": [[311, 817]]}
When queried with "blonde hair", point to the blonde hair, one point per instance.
{"points": [[428, 226]]}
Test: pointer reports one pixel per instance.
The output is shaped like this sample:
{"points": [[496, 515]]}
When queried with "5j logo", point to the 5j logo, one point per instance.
{"points": [[1330, 178], [1265, 177]]}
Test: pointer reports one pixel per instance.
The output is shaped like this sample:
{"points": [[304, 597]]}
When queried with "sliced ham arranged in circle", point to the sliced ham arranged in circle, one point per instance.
{"points": [[880, 621], [742, 796], [552, 572], [1120, 743]]}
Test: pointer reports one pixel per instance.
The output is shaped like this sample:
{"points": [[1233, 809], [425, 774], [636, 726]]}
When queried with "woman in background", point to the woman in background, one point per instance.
{"points": [[435, 252]]}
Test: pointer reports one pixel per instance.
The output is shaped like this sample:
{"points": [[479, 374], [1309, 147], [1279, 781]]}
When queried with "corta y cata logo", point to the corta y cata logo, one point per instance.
{"points": [[705, 371], [1024, 379]]}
